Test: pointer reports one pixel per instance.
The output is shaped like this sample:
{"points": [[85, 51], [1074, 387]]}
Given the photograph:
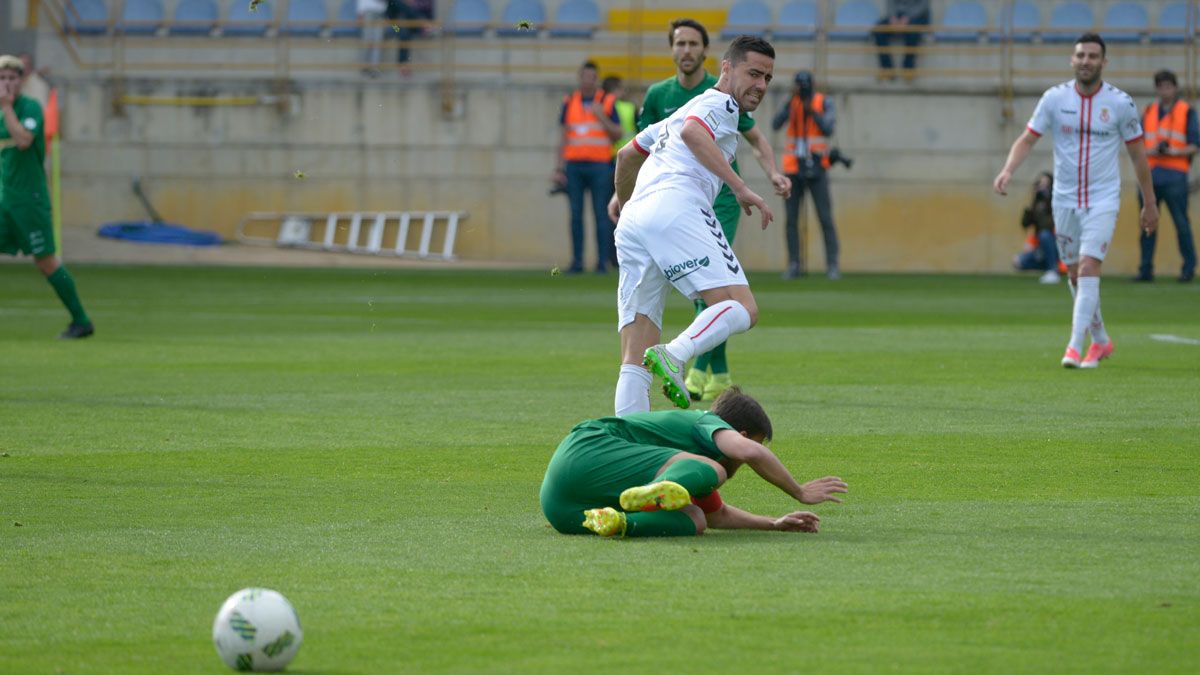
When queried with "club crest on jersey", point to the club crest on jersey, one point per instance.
{"points": [[1104, 115], [681, 270], [711, 118]]}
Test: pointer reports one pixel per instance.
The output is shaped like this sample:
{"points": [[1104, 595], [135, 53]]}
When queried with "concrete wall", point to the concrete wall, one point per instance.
{"points": [[918, 198]]}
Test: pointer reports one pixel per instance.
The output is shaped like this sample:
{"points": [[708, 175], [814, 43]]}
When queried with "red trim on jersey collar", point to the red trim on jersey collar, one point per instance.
{"points": [[639, 148], [704, 124]]}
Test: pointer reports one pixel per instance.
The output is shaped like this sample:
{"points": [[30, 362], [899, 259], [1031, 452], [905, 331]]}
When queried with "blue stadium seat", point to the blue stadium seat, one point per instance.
{"points": [[1125, 22], [797, 21], [194, 17], [86, 17], [141, 17], [1173, 20], [1023, 24], [576, 18], [746, 17], [854, 20], [347, 14], [243, 22], [1068, 21], [470, 17], [518, 13], [305, 17], [964, 21]]}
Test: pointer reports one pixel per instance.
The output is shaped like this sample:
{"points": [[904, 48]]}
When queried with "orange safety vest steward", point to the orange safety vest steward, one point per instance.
{"points": [[1172, 129], [587, 141], [802, 129]]}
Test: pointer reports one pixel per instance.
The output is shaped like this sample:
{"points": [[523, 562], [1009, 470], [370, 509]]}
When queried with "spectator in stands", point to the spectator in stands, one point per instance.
{"points": [[809, 117], [34, 85], [1041, 250], [1172, 138], [371, 13], [589, 126], [404, 12], [627, 114], [901, 17]]}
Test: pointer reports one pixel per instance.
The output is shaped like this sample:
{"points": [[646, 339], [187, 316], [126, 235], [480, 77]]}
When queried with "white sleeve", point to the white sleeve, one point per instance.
{"points": [[647, 138], [718, 114], [1131, 122], [1041, 121]]}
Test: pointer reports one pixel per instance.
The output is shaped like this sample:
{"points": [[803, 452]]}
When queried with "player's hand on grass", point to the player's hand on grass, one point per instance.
{"points": [[614, 210], [799, 521], [1149, 218], [822, 490], [748, 200], [783, 185], [1000, 185]]}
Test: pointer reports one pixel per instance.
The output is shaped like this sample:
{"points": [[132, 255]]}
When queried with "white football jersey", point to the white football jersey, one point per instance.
{"points": [[671, 163], [1089, 132]]}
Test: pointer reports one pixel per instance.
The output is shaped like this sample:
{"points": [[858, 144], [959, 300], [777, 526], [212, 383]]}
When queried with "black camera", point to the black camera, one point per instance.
{"points": [[557, 189], [836, 157], [1163, 147]]}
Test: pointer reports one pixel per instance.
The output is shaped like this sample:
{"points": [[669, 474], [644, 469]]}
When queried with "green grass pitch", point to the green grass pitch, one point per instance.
{"points": [[371, 442]]}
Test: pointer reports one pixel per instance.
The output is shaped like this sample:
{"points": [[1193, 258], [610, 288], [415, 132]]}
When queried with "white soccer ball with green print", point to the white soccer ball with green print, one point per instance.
{"points": [[257, 629]]}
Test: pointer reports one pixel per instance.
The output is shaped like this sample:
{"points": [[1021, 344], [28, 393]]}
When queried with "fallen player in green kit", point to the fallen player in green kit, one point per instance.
{"points": [[656, 474]]}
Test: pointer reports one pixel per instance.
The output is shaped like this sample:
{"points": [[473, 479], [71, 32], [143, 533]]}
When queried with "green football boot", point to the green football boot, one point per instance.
{"points": [[665, 366]]}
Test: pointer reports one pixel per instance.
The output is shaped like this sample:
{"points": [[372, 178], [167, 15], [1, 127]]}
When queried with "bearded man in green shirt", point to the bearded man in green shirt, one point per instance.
{"points": [[25, 224], [689, 46]]}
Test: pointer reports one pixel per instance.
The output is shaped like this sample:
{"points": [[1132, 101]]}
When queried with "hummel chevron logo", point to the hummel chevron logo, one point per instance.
{"points": [[729, 256], [729, 107], [733, 268], [707, 214], [723, 245]]}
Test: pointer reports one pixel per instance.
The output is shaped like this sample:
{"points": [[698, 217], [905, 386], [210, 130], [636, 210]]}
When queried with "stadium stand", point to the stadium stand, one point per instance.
{"points": [[470, 18], [87, 17], [1172, 24], [522, 18], [854, 19], [194, 17], [305, 17], [141, 17], [1021, 21], [576, 19], [1067, 21], [249, 23], [797, 21], [964, 21], [347, 20], [1125, 22], [747, 17]]}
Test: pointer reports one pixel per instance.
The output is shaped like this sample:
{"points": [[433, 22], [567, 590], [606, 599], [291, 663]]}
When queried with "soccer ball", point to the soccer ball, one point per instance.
{"points": [[257, 629]]}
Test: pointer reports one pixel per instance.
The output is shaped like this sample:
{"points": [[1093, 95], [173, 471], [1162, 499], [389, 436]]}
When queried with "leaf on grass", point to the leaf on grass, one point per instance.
{"points": [[300, 175], [554, 271]]}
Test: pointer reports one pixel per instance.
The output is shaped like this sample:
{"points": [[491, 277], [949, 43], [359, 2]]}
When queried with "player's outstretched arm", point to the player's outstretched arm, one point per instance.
{"points": [[764, 463], [732, 518], [766, 159], [629, 163], [1016, 155], [1149, 216]]}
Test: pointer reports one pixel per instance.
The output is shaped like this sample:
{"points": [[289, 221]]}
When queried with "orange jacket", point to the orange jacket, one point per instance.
{"points": [[1172, 129], [804, 129], [587, 141]]}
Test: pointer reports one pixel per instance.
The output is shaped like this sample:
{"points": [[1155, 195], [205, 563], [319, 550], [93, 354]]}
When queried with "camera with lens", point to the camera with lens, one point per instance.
{"points": [[1163, 147], [836, 157]]}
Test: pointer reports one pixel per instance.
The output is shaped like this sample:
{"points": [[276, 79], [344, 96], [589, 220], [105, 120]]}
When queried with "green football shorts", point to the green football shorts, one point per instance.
{"points": [[26, 228]]}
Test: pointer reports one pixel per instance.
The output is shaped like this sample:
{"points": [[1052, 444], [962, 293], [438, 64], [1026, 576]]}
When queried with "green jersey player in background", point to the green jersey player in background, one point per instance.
{"points": [[689, 45], [25, 224], [656, 474]]}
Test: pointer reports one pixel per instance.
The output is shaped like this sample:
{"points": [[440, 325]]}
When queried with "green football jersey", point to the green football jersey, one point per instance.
{"points": [[685, 430], [22, 172]]}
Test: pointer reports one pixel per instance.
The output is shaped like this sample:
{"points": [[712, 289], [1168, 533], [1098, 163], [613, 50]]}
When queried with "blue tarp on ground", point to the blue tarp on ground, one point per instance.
{"points": [[160, 233]]}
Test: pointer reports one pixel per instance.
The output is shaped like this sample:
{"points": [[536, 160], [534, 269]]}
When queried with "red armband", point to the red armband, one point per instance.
{"points": [[710, 504]]}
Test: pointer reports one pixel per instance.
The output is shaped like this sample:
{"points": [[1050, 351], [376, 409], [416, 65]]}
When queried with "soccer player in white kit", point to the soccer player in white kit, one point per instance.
{"points": [[1090, 119], [667, 178]]}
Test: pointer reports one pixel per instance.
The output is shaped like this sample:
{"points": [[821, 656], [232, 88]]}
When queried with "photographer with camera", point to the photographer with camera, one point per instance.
{"points": [[1041, 250], [1171, 139], [809, 118]]}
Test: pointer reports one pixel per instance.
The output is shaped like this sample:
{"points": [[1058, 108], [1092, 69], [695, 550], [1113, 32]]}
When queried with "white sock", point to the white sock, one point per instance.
{"points": [[1087, 299], [633, 390], [1099, 335], [709, 329]]}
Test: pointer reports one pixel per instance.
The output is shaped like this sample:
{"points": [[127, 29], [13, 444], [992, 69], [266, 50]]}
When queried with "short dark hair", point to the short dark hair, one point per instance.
{"points": [[743, 413], [1165, 75], [610, 84], [744, 44], [589, 65], [687, 23], [1094, 37]]}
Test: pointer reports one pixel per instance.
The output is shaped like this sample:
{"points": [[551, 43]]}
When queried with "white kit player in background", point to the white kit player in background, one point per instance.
{"points": [[1090, 120], [667, 178]]}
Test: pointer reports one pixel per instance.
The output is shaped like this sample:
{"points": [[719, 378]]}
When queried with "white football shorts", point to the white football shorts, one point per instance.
{"points": [[1083, 232], [666, 239]]}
